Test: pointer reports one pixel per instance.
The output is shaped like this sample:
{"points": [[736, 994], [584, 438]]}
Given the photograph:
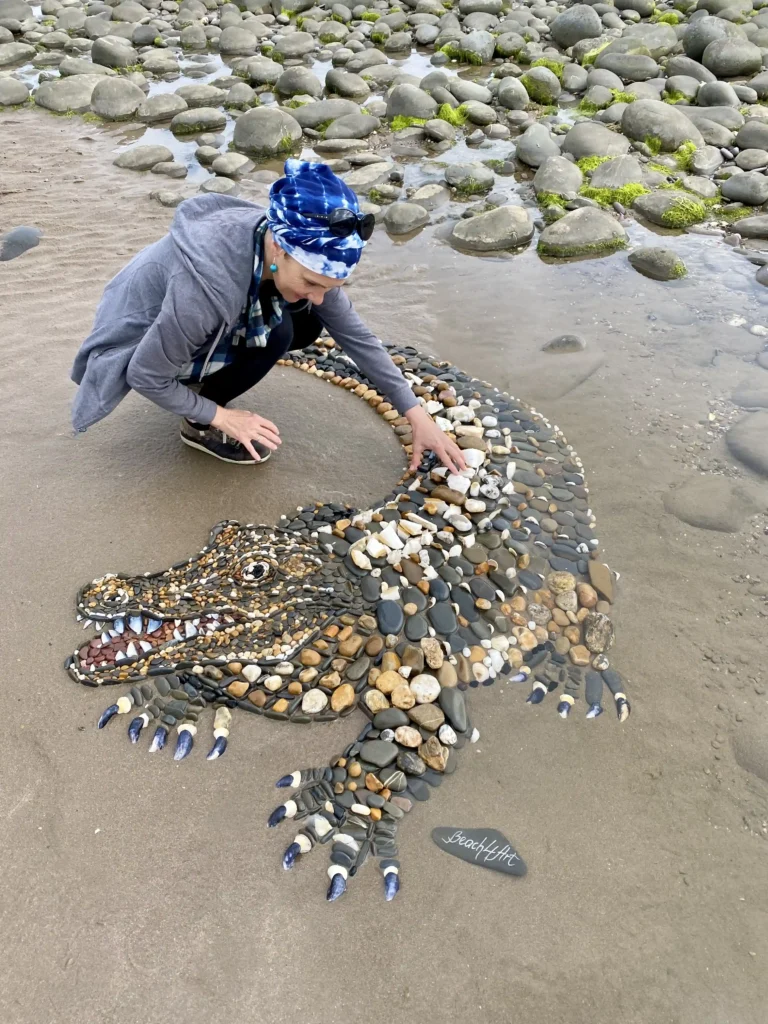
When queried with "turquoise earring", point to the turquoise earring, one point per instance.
{"points": [[273, 267]]}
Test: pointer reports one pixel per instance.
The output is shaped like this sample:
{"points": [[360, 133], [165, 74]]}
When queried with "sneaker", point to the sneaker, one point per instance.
{"points": [[221, 446]]}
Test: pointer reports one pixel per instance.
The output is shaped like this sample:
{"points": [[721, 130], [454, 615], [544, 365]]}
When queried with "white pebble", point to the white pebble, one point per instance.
{"points": [[425, 688]]}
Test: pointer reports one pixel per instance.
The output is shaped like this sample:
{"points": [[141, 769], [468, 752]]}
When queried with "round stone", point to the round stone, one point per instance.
{"points": [[425, 688], [407, 736], [314, 701]]}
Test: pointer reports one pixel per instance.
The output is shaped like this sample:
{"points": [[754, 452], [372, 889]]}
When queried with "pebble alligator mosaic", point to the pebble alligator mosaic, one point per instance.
{"points": [[453, 582]]}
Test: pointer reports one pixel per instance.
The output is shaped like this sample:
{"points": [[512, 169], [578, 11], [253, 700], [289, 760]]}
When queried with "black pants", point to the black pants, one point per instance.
{"points": [[298, 329]]}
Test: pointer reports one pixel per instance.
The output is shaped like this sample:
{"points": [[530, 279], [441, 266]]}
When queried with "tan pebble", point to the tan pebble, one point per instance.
{"points": [[258, 698], [572, 634], [385, 794], [375, 813], [372, 783], [390, 662], [345, 633], [433, 652], [423, 586], [483, 604], [518, 603], [338, 787], [388, 681], [349, 648], [523, 561], [238, 688], [366, 622], [560, 582], [235, 667], [587, 595], [526, 640], [295, 688], [559, 616], [354, 770], [376, 701], [541, 634], [402, 697], [476, 654], [407, 736], [410, 609], [332, 631], [321, 645], [515, 657], [331, 680], [374, 646], [582, 613], [280, 705], [338, 665], [464, 669], [343, 697], [579, 655], [446, 675], [434, 754], [373, 675], [308, 675], [603, 607]]}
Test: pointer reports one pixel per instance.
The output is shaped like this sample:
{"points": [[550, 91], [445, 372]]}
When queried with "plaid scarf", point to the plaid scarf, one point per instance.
{"points": [[250, 329]]}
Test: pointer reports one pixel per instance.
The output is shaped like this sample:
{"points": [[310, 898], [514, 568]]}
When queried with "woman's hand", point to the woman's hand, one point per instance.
{"points": [[427, 436], [246, 427]]}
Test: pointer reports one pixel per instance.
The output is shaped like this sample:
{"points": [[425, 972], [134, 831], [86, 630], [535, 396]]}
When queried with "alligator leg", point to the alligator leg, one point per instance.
{"points": [[356, 804]]}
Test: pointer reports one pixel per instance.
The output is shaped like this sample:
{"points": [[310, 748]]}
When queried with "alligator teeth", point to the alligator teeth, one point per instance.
{"points": [[145, 646], [153, 625], [105, 638], [130, 651], [177, 635], [119, 625], [135, 623], [119, 657], [189, 630]]}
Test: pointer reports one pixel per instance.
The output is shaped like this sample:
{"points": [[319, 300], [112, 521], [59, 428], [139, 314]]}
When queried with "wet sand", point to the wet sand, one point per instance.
{"points": [[134, 888]]}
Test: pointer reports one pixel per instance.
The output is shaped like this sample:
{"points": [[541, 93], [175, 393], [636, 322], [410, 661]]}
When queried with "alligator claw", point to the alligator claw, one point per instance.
{"points": [[391, 883], [338, 886], [158, 740], [286, 810], [107, 714], [537, 694], [623, 707], [563, 708], [218, 748], [595, 710], [290, 856], [289, 781], [134, 729], [184, 743]]}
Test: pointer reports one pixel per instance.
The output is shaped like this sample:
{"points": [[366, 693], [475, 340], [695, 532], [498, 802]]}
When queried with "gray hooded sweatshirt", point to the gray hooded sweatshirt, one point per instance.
{"points": [[171, 301]]}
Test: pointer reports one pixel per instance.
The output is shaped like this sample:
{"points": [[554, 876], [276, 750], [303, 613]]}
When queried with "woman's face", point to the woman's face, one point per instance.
{"points": [[295, 283]]}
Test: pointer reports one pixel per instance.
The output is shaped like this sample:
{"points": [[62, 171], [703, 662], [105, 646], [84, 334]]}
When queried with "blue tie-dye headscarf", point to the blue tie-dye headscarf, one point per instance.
{"points": [[297, 216]]}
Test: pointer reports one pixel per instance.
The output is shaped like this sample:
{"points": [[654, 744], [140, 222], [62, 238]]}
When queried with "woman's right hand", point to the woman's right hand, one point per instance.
{"points": [[247, 427]]}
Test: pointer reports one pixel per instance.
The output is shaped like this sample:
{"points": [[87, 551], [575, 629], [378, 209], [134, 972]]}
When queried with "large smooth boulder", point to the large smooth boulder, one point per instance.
{"points": [[730, 58], [699, 33], [657, 263], [116, 99], [591, 139], [750, 188], [200, 119], [558, 175], [15, 10], [403, 218], [15, 53], [512, 94], [754, 135], [298, 44], [161, 107], [670, 208], [584, 232], [299, 82], [469, 179], [312, 115], [13, 92], [630, 67], [113, 52], [535, 145], [645, 119], [622, 170], [81, 66], [410, 101], [506, 227], [575, 23], [143, 158], [657, 40], [542, 85], [265, 132], [68, 94]]}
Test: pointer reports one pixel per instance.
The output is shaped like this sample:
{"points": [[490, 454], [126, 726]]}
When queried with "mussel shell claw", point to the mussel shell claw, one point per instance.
{"points": [[107, 714], [135, 727], [276, 816], [183, 745], [158, 740], [218, 748], [391, 885], [290, 856], [337, 888]]}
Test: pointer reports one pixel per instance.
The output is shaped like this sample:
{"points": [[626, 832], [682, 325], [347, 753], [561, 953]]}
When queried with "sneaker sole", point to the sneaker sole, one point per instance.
{"points": [[232, 462]]}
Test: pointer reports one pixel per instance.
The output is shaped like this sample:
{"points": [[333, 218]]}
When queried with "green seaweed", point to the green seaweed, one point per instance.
{"points": [[494, 165], [453, 115], [684, 155], [587, 164], [454, 52], [624, 194], [471, 187], [379, 38], [675, 96], [685, 211], [603, 248], [370, 16], [327, 37], [552, 65], [659, 168], [158, 41], [622, 97], [546, 199], [654, 144], [129, 69], [733, 213], [538, 91], [589, 58], [589, 108], [377, 197], [401, 121], [668, 18]]}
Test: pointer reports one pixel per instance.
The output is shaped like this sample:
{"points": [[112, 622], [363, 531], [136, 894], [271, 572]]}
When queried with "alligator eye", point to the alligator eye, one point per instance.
{"points": [[253, 572], [117, 597]]}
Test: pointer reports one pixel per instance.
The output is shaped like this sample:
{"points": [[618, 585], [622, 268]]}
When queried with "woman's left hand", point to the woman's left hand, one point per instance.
{"points": [[427, 436]]}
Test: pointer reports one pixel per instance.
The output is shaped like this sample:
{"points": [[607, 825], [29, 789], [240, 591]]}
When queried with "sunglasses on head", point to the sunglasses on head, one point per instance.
{"points": [[343, 222]]}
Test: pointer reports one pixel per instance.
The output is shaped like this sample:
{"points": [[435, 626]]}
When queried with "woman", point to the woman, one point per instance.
{"points": [[198, 318]]}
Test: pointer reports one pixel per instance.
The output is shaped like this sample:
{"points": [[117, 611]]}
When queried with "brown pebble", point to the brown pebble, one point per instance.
{"points": [[374, 646], [390, 662], [258, 698], [354, 770], [238, 688], [349, 648], [310, 657], [579, 655], [343, 697], [280, 705]]}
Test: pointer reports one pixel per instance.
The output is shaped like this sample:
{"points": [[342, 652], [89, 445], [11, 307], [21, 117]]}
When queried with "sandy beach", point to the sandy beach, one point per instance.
{"points": [[137, 889]]}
